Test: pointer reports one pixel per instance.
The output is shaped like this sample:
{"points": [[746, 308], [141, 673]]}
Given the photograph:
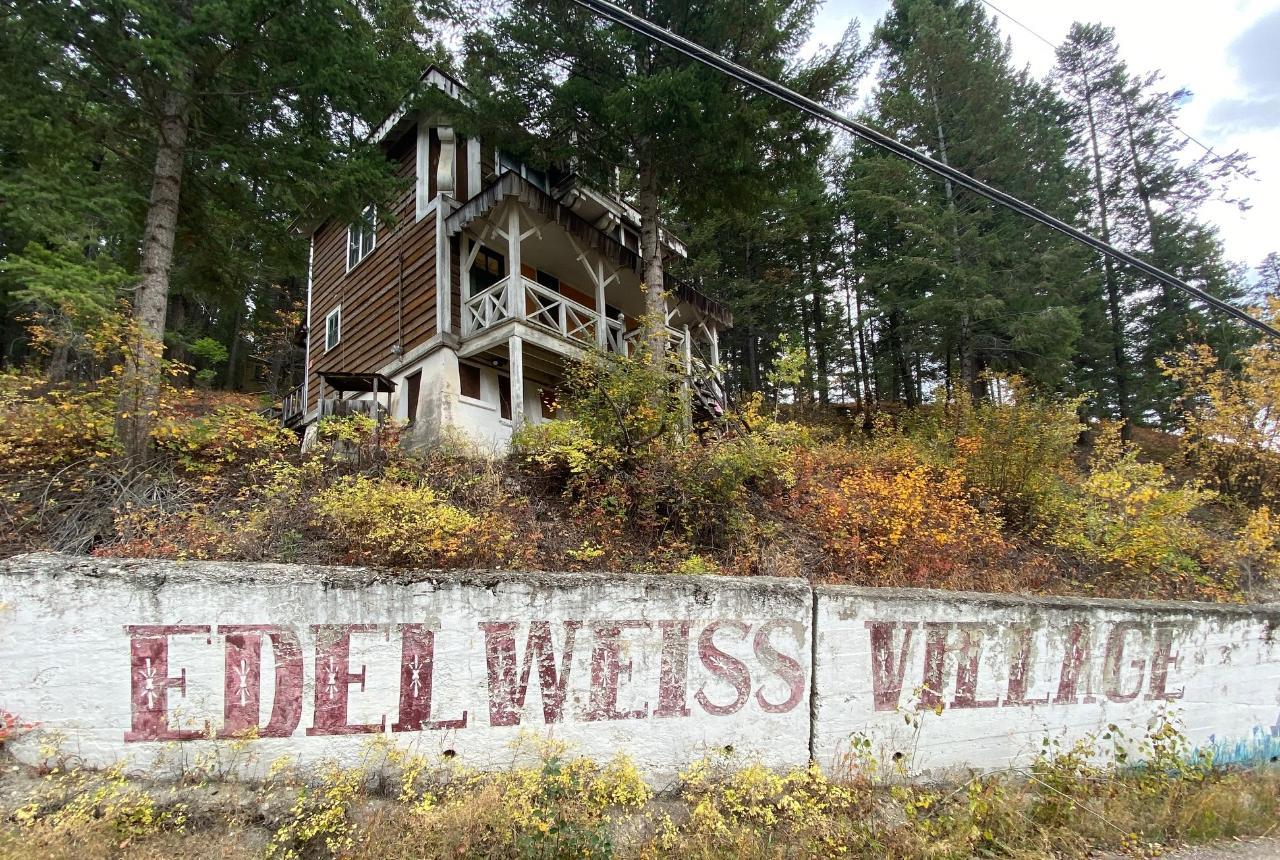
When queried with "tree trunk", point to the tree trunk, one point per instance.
{"points": [[233, 353], [655, 303], [1109, 274], [823, 374], [964, 346], [139, 394]]}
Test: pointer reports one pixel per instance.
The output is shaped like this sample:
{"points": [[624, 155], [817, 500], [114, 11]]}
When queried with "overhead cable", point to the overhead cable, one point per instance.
{"points": [[803, 103]]}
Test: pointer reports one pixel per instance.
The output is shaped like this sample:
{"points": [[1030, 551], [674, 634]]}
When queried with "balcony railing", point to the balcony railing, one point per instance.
{"points": [[543, 308], [292, 407]]}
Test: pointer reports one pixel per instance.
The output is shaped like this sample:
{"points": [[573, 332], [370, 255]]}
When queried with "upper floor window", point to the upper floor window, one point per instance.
{"points": [[487, 270], [361, 237], [333, 328]]}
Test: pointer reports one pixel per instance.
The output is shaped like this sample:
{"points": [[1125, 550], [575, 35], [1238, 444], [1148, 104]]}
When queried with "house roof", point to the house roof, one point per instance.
{"points": [[513, 185]]}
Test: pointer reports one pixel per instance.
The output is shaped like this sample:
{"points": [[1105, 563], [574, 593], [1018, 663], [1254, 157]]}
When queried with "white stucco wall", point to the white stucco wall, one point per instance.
{"points": [[940, 682], [145, 661], [140, 660], [479, 420]]}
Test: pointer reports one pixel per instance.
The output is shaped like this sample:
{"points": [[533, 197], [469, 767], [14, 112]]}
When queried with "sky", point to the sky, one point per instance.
{"points": [[1226, 53]]}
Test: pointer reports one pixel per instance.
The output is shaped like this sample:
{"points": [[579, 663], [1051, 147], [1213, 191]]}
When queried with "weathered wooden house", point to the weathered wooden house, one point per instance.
{"points": [[460, 313]]}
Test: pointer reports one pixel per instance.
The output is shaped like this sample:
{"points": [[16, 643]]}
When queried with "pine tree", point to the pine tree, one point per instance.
{"points": [[238, 102], [1090, 74], [1000, 294], [670, 131]]}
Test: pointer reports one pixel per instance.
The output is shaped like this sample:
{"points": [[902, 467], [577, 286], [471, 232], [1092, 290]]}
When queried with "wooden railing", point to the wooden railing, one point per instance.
{"points": [[485, 309], [675, 339], [336, 407], [544, 308], [292, 407]]}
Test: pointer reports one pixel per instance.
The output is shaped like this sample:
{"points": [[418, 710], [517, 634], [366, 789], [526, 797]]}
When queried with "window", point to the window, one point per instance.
{"points": [[504, 397], [413, 387], [534, 176], [333, 328], [469, 381], [361, 237], [548, 280], [489, 268]]}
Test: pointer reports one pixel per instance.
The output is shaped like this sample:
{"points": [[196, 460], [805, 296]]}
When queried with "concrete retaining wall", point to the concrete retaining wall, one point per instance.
{"points": [[159, 663]]}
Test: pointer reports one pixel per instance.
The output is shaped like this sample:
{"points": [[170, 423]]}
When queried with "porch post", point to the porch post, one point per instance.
{"points": [[715, 347], [464, 281], [515, 282], [515, 354], [688, 352], [602, 316]]}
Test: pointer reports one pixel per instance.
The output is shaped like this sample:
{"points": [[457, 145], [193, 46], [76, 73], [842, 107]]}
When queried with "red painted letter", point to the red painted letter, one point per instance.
{"points": [[1020, 670], [1161, 659], [886, 678], [787, 668], [935, 664], [242, 681], [673, 674], [1112, 663], [417, 666], [334, 678], [967, 669], [506, 693], [608, 671], [149, 681], [724, 666], [1074, 661]]}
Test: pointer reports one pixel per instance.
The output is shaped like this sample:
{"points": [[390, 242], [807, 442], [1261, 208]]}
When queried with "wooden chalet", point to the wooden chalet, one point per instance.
{"points": [[459, 314]]}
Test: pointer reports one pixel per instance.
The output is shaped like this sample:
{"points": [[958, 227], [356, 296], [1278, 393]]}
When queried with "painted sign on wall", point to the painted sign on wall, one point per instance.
{"points": [[955, 681], [155, 663], [310, 665]]}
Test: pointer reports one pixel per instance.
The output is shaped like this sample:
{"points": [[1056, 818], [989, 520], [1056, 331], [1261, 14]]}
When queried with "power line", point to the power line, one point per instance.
{"points": [[744, 75], [1188, 135]]}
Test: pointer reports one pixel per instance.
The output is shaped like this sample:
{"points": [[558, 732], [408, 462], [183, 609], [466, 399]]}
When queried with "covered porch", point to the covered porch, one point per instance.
{"points": [[531, 267]]}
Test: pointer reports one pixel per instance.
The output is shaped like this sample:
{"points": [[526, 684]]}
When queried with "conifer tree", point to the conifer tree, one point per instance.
{"points": [[643, 120], [217, 111]]}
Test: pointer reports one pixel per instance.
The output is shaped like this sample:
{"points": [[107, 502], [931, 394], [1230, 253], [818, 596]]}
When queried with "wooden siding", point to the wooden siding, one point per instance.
{"points": [[398, 279]]}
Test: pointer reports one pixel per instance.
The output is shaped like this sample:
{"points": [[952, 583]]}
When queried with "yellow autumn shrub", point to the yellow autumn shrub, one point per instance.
{"points": [[44, 430], [1132, 516], [384, 522]]}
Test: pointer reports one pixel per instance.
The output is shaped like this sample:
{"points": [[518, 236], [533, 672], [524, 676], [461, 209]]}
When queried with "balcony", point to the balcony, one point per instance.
{"points": [[549, 311], [545, 309]]}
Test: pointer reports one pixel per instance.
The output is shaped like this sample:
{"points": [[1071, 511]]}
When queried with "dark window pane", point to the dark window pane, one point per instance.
{"points": [[413, 386], [548, 280], [504, 397], [488, 268], [469, 377]]}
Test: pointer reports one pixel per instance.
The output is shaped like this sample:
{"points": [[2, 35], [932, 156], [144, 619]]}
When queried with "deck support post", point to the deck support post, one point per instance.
{"points": [[602, 315], [515, 355]]}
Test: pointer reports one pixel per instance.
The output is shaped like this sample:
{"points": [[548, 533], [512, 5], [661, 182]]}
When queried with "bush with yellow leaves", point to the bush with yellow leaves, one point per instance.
{"points": [[386, 522], [43, 429], [1134, 518], [223, 443]]}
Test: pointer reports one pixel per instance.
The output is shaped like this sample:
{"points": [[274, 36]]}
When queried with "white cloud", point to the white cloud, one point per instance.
{"points": [[1224, 53]]}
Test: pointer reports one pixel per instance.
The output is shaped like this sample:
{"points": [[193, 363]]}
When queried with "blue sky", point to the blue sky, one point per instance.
{"points": [[1226, 53]]}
